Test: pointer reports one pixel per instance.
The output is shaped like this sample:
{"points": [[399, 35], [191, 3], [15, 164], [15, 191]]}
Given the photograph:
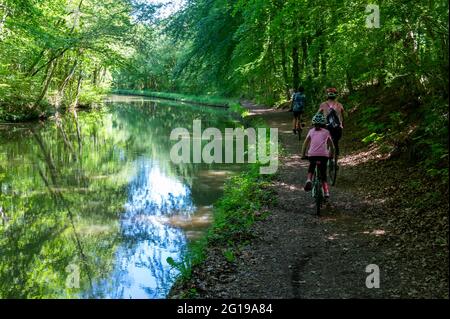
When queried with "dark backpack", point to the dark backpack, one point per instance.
{"points": [[299, 101], [333, 119]]}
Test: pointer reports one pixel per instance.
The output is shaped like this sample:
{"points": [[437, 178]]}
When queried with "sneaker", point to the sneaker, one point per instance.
{"points": [[308, 186]]}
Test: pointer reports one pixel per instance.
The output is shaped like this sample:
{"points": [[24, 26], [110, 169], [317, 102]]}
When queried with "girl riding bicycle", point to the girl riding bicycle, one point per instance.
{"points": [[320, 148]]}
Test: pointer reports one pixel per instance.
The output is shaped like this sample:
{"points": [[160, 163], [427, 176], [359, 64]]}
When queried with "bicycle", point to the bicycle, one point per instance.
{"points": [[317, 187]]}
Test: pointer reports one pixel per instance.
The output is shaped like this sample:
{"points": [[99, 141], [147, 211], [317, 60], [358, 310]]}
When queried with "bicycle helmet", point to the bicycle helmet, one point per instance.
{"points": [[319, 119], [332, 92]]}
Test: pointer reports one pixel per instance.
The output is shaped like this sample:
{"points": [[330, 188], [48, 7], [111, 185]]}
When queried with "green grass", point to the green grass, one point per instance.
{"points": [[245, 199], [239, 109], [197, 99]]}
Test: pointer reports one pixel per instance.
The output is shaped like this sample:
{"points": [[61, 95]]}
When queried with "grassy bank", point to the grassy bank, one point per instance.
{"points": [[15, 113], [246, 199], [202, 99]]}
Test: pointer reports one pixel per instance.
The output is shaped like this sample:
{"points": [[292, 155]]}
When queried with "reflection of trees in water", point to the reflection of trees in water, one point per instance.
{"points": [[87, 162], [141, 271], [53, 186], [147, 240], [46, 203], [153, 197], [162, 272], [151, 126], [37, 221]]}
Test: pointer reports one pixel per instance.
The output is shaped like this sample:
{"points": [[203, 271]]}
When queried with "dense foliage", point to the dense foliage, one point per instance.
{"points": [[269, 46], [58, 53]]}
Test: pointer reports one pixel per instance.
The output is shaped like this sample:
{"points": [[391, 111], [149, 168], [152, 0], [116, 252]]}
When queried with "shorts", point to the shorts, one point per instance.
{"points": [[323, 166], [297, 114]]}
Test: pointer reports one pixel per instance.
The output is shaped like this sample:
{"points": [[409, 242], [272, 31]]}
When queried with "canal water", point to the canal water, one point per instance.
{"points": [[92, 206]]}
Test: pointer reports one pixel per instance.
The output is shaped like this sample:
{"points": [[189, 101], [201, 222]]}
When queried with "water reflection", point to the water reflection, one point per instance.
{"points": [[98, 190], [141, 268]]}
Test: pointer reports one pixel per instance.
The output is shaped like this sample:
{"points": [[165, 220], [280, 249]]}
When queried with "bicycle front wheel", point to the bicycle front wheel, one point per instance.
{"points": [[318, 196]]}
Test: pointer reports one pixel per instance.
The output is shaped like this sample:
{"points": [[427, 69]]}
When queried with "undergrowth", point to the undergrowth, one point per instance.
{"points": [[405, 126]]}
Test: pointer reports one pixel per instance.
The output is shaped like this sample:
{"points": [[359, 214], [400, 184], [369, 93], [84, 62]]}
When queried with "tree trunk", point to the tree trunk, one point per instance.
{"points": [[295, 66], [35, 62], [75, 102], [64, 84], [48, 79], [53, 58], [95, 76], [3, 19], [349, 82], [323, 60], [285, 71], [305, 43]]}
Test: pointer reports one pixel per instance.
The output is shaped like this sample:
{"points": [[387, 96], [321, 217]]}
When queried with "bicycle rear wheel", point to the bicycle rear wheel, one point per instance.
{"points": [[332, 170]]}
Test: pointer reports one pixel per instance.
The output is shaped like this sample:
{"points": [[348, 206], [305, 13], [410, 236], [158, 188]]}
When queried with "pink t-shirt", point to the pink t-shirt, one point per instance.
{"points": [[318, 145]]}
